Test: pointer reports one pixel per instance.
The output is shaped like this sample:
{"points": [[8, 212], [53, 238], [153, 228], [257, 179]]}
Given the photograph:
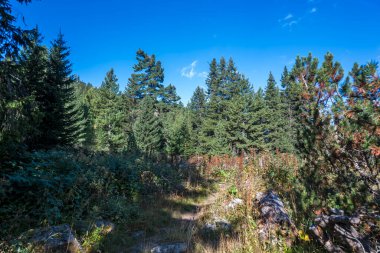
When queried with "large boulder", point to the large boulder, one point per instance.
{"points": [[55, 239], [274, 219]]}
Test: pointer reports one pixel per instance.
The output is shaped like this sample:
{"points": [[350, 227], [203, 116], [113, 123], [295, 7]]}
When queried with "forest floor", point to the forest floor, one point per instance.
{"points": [[167, 219], [185, 218]]}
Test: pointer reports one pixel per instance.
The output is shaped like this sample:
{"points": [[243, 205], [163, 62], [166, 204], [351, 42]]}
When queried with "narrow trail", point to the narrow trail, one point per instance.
{"points": [[186, 222], [211, 199]]}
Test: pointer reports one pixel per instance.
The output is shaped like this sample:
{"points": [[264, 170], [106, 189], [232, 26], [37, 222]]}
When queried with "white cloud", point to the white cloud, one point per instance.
{"points": [[313, 10], [190, 72], [288, 21], [289, 16]]}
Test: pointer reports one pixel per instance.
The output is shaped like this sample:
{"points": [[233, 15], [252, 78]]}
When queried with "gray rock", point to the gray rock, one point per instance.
{"points": [[218, 224], [55, 239], [179, 247], [234, 203]]}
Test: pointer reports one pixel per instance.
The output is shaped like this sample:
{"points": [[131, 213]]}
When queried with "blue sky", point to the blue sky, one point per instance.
{"points": [[261, 36]]}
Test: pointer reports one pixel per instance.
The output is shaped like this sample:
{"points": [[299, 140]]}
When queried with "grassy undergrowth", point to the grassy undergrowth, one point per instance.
{"points": [[148, 199], [55, 187]]}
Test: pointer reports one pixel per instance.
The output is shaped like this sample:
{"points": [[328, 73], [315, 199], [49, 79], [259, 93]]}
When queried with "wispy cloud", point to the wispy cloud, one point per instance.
{"points": [[190, 72], [313, 10], [289, 16], [288, 21]]}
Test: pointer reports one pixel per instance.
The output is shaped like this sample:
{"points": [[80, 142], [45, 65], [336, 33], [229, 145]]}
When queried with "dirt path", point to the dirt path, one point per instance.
{"points": [[186, 223], [211, 199]]}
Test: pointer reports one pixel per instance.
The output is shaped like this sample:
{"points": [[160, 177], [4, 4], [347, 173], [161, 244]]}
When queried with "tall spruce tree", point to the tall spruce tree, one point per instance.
{"points": [[259, 115], [33, 67], [109, 116], [148, 128], [212, 138], [176, 132], [274, 122], [197, 110], [63, 121], [240, 123], [224, 83]]}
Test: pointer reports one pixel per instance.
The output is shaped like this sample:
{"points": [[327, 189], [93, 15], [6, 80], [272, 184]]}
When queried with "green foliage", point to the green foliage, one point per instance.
{"points": [[109, 116], [55, 187], [148, 128], [93, 240], [176, 131]]}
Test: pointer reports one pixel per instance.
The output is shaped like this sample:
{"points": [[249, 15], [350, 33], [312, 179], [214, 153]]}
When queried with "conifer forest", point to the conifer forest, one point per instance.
{"points": [[291, 166]]}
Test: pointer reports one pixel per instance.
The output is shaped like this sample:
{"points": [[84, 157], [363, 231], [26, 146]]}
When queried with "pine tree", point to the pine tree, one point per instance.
{"points": [[63, 121], [176, 131], [147, 79], [148, 129], [224, 83], [169, 100], [84, 95], [235, 83], [109, 116], [12, 37], [197, 110], [33, 65], [274, 121], [212, 137], [259, 115], [16, 106], [240, 123]]}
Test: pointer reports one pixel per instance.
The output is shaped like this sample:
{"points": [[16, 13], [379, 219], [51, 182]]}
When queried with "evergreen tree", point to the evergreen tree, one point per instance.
{"points": [[12, 37], [176, 133], [109, 116], [240, 123], [33, 63], [147, 79], [224, 83], [84, 96], [148, 129], [275, 117], [63, 121], [212, 138], [197, 110], [259, 116]]}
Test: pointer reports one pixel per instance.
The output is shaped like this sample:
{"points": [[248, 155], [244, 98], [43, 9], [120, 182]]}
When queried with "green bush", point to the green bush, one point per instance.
{"points": [[58, 186]]}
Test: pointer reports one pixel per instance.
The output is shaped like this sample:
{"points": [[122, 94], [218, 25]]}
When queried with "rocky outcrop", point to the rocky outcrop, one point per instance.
{"points": [[274, 218], [338, 232], [55, 239]]}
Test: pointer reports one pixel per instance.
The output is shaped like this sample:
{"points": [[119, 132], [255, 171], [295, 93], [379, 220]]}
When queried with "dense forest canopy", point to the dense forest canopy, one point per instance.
{"points": [[325, 116]]}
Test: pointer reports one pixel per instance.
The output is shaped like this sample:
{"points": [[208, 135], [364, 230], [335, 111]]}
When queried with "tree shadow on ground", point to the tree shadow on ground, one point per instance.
{"points": [[162, 215]]}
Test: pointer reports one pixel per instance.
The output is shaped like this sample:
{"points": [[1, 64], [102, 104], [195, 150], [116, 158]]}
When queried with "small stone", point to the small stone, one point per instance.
{"points": [[218, 224], [234, 203], [170, 248]]}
